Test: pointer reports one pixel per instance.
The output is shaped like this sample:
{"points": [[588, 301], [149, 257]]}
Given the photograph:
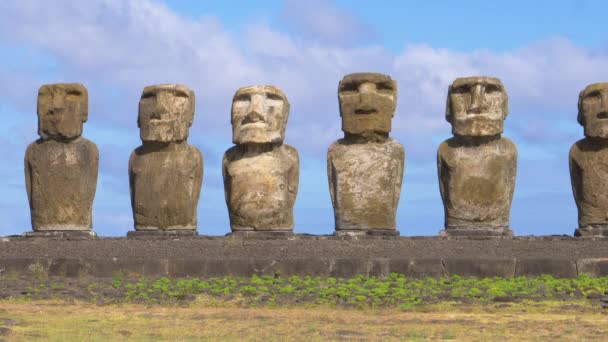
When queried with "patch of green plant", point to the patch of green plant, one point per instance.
{"points": [[395, 290]]}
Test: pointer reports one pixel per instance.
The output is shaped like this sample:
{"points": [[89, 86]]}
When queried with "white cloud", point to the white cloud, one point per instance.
{"points": [[117, 47]]}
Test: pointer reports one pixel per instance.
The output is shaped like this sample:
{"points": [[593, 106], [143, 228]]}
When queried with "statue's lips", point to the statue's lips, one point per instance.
{"points": [[364, 111], [253, 125]]}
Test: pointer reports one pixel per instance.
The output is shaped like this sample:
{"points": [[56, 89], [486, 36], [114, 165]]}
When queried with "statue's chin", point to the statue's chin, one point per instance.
{"points": [[478, 128], [257, 137], [597, 132]]}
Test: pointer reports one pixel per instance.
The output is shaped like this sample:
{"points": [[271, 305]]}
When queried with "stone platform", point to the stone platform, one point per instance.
{"points": [[205, 256]]}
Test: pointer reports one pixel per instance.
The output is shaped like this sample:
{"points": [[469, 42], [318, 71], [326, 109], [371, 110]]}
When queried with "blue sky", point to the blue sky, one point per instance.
{"points": [[545, 52]]}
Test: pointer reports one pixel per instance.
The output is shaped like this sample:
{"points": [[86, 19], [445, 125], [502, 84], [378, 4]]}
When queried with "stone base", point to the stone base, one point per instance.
{"points": [[592, 232], [161, 234], [263, 234], [489, 232], [62, 234], [371, 233]]}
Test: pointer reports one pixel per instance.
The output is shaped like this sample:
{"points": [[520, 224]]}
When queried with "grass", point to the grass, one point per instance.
{"points": [[82, 321], [303, 308]]}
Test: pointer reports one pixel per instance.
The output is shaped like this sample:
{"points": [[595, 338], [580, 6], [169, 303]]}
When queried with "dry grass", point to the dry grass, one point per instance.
{"points": [[64, 321]]}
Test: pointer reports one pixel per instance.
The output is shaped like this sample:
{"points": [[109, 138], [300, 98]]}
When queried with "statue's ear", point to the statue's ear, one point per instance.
{"points": [[580, 117], [85, 103], [448, 106]]}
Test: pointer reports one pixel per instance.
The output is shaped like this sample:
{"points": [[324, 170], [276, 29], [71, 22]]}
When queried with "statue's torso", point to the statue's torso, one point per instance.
{"points": [[62, 181], [165, 188], [365, 181], [260, 191], [589, 174], [477, 183]]}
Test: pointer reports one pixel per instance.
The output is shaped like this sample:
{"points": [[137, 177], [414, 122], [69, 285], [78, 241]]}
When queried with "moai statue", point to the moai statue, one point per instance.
{"points": [[477, 166], [589, 162], [165, 173], [365, 168], [261, 173], [61, 167]]}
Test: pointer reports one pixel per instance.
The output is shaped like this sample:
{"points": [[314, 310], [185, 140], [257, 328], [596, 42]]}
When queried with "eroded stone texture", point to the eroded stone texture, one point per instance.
{"points": [[365, 168], [165, 172], [61, 167], [261, 173], [477, 167], [589, 162]]}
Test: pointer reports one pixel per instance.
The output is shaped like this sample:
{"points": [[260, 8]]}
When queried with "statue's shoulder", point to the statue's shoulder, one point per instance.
{"points": [[231, 154], [507, 143], [446, 147], [88, 145], [291, 152], [335, 148]]}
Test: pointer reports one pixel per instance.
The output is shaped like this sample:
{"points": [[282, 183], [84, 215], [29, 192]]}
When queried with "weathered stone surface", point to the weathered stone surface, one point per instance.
{"points": [[220, 256], [365, 168], [595, 267], [165, 173], [261, 174], [477, 267], [61, 167], [559, 268], [589, 162], [477, 167], [417, 268]]}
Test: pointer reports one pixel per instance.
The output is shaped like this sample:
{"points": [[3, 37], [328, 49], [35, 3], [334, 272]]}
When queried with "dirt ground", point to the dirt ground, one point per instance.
{"points": [[63, 321]]}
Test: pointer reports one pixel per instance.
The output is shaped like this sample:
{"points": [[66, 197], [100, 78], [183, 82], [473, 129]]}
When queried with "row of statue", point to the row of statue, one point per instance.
{"points": [[476, 167]]}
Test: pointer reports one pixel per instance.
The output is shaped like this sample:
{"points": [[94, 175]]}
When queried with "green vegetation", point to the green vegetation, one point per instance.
{"points": [[394, 291]]}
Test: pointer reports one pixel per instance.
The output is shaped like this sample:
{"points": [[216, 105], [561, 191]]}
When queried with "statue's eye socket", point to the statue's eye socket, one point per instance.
{"points": [[492, 88], [182, 94], [464, 89], [148, 95], [242, 97], [595, 93], [384, 87], [349, 87], [73, 93], [273, 96]]}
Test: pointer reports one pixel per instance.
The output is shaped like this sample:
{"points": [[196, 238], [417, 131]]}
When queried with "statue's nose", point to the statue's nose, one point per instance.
{"points": [[477, 100], [256, 106], [366, 93]]}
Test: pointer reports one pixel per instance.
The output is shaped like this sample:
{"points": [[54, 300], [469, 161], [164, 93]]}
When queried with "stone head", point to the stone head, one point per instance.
{"points": [[367, 102], [259, 115], [593, 110], [166, 112], [477, 106], [62, 109]]}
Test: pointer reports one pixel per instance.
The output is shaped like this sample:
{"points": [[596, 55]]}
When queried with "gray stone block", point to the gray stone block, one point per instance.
{"points": [[596, 267], [559, 268], [417, 268], [303, 267], [470, 267]]}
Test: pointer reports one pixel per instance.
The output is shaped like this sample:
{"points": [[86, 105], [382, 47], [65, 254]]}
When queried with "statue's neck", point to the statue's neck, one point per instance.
{"points": [[366, 137], [600, 141], [62, 140], [164, 146], [258, 148], [476, 140]]}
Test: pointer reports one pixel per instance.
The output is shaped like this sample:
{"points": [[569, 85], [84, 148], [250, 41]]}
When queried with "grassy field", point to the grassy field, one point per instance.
{"points": [[271, 308], [77, 321]]}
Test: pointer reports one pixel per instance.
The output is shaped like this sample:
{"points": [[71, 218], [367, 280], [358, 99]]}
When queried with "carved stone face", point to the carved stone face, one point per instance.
{"points": [[62, 109], [367, 102], [593, 110], [166, 112], [477, 106], [259, 115]]}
